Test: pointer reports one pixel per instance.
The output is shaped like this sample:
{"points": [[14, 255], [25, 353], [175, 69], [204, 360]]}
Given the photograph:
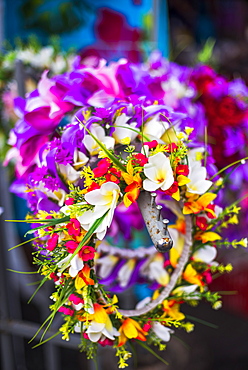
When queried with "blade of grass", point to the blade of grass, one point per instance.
{"points": [[18, 245], [51, 223], [202, 322], [46, 340], [23, 272], [142, 344], [38, 288], [85, 240], [103, 147], [225, 168], [134, 353]]}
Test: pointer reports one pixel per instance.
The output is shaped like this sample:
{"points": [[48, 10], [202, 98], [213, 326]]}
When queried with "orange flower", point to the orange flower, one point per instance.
{"points": [[180, 225], [191, 275], [83, 278], [207, 236], [131, 329], [171, 309], [134, 183], [199, 205]]}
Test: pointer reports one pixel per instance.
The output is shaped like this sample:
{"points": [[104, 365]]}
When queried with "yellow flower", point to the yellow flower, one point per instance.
{"points": [[207, 236], [191, 275], [201, 204], [171, 309], [134, 183], [130, 329]]}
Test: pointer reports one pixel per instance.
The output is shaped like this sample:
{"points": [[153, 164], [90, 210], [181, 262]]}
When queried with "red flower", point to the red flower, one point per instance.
{"points": [[66, 311], [201, 222], [69, 201], [54, 277], [74, 227], [171, 147], [173, 189], [87, 253], [93, 186], [182, 169], [147, 326], [52, 242], [113, 175], [71, 246], [75, 299], [106, 342], [210, 214], [139, 159], [151, 144], [102, 167]]}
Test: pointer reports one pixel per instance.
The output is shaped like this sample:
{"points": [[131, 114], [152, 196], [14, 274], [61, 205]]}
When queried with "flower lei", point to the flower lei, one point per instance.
{"points": [[133, 153]]}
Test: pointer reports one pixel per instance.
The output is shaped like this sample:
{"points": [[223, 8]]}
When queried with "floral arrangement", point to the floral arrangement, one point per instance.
{"points": [[98, 150]]}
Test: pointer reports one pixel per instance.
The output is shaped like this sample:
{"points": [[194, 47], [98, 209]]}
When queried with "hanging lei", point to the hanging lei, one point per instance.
{"points": [[129, 164], [122, 158]]}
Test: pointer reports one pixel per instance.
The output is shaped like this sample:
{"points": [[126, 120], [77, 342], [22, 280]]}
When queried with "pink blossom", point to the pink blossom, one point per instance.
{"points": [[69, 201], [75, 299], [106, 342], [52, 242], [87, 253], [66, 311], [71, 246], [74, 227]]}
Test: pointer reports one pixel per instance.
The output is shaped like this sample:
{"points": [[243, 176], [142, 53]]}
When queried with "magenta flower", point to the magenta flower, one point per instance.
{"points": [[52, 242], [87, 253]]}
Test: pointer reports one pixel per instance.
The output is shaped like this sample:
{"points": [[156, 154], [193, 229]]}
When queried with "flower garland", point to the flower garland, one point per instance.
{"points": [[132, 152]]}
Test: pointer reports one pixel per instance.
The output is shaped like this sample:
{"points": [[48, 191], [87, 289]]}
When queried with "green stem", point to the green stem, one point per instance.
{"points": [[225, 168]]}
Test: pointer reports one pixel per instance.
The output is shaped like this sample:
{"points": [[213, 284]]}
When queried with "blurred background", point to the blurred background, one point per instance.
{"points": [[129, 29]]}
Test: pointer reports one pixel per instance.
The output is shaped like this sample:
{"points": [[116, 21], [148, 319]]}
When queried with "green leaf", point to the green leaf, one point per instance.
{"points": [[23, 272], [51, 223], [46, 340], [18, 245], [225, 168], [106, 151], [86, 238], [202, 322], [38, 288], [205, 55], [142, 344]]}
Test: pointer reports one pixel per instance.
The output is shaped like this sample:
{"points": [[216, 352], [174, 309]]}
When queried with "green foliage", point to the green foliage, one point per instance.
{"points": [[205, 56]]}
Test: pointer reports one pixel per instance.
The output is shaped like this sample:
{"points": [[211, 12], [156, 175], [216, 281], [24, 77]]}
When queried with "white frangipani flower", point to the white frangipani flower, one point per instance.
{"points": [[106, 264], [155, 270], [197, 176], [104, 199], [57, 195], [186, 289], [68, 172], [158, 172], [125, 272], [162, 331], [91, 145], [155, 128], [76, 264], [98, 330], [195, 155], [124, 130], [79, 159], [205, 254]]}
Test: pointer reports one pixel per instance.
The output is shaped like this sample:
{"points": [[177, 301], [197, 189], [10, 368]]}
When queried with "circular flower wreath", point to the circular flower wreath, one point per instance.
{"points": [[133, 153]]}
